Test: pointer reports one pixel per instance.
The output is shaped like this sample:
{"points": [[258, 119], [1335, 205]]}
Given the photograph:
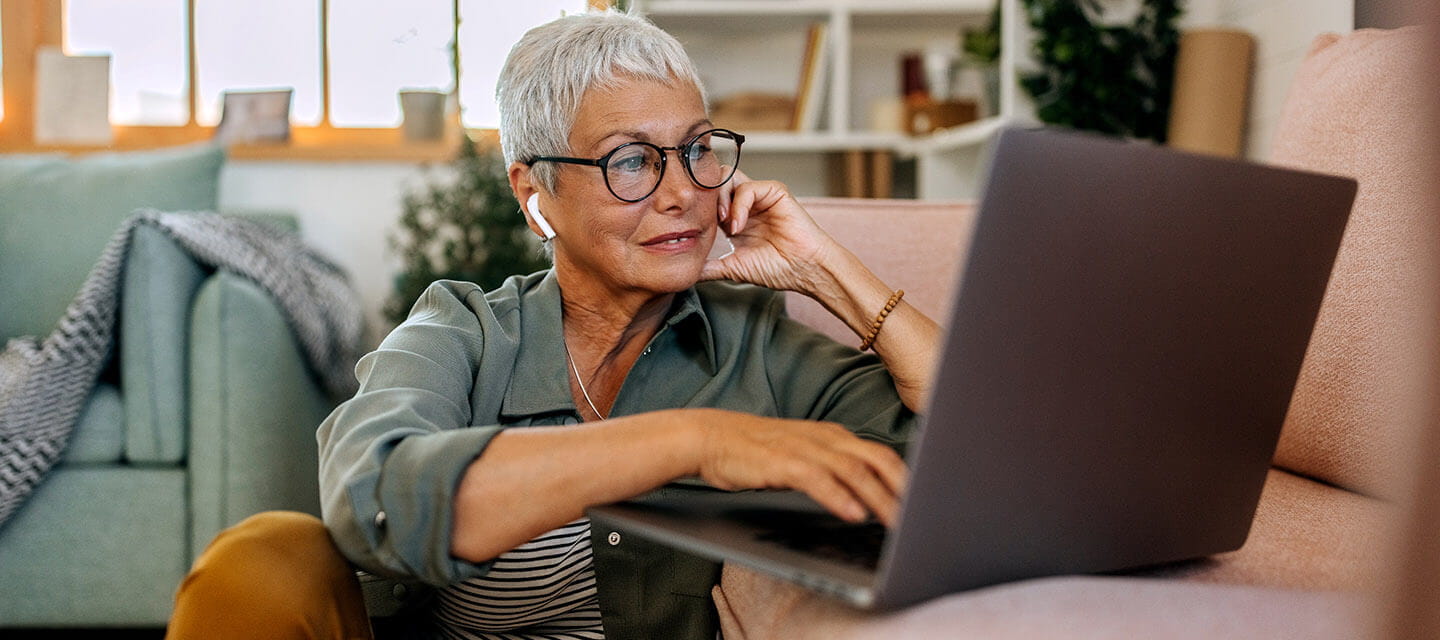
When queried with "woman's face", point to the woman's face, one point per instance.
{"points": [[659, 244]]}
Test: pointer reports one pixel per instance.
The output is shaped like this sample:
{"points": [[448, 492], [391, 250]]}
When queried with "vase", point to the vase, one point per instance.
{"points": [[424, 115]]}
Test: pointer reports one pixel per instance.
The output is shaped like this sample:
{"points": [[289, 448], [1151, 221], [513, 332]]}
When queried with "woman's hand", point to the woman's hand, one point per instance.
{"points": [[777, 244], [847, 475]]}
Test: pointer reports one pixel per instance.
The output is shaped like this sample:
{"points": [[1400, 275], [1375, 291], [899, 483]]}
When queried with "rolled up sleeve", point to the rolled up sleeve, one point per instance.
{"points": [[814, 377], [392, 456]]}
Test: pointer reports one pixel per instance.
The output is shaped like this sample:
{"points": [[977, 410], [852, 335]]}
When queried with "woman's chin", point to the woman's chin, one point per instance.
{"points": [[677, 275]]}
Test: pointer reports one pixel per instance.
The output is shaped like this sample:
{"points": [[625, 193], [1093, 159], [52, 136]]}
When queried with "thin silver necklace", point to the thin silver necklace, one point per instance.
{"points": [[578, 381]]}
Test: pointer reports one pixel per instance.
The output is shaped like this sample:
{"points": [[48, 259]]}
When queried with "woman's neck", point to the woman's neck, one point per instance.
{"points": [[604, 328]]}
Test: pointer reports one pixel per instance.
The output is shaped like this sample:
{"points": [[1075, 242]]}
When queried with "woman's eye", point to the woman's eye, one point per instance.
{"points": [[634, 163], [699, 150]]}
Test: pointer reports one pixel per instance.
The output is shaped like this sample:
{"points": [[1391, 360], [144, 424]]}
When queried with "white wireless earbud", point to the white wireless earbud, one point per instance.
{"points": [[532, 206]]}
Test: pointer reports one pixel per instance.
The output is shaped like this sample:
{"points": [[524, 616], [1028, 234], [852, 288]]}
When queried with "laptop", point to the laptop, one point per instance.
{"points": [[1120, 355]]}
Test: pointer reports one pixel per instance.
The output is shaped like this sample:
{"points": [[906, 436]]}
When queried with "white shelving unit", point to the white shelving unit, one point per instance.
{"points": [[757, 45]]}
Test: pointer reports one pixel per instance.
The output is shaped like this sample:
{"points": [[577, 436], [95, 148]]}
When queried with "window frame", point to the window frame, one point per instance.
{"points": [[29, 25]]}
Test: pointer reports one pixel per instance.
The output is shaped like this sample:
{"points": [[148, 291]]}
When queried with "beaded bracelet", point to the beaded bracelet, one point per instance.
{"points": [[880, 319]]}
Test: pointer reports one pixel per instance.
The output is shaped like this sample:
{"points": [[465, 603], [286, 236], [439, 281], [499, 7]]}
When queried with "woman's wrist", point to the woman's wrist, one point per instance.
{"points": [[849, 290]]}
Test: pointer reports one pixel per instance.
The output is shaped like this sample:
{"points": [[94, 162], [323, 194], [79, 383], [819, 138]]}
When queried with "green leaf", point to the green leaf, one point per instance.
{"points": [[462, 224], [1114, 79]]}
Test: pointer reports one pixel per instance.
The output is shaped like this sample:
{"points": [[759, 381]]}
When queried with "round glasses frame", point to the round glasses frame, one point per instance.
{"points": [[682, 150]]}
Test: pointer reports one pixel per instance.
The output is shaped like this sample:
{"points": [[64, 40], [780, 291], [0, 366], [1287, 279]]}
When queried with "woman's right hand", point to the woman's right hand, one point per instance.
{"points": [[847, 475]]}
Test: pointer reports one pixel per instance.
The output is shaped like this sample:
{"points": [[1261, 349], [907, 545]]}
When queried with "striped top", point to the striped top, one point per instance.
{"points": [[540, 590]]}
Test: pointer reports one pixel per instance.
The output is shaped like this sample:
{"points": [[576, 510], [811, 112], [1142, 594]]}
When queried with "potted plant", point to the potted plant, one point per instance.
{"points": [[1103, 75], [981, 48], [465, 226]]}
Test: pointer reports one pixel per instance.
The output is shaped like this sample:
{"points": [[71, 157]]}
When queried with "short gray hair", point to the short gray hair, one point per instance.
{"points": [[552, 66]]}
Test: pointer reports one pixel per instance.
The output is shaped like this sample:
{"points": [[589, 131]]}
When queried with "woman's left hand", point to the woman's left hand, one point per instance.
{"points": [[777, 244]]}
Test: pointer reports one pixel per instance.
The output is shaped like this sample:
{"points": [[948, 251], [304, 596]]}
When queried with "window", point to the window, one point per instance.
{"points": [[2, 66], [485, 43], [258, 44], [345, 60], [378, 49], [147, 65]]}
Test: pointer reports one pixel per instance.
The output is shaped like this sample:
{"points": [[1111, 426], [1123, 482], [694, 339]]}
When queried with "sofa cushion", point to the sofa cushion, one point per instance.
{"points": [[57, 215], [1306, 535], [753, 606], [19, 164], [99, 434], [915, 246], [1355, 109], [96, 546]]}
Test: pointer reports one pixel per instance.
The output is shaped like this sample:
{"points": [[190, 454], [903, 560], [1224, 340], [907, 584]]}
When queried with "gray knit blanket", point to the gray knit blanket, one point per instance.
{"points": [[44, 383]]}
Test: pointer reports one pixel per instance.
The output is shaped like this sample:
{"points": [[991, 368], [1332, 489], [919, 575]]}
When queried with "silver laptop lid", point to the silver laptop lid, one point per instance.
{"points": [[1123, 347]]}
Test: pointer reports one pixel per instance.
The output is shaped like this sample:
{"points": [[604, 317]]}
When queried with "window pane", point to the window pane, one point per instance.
{"points": [[258, 44], [2, 68], [146, 43], [377, 48], [486, 35]]}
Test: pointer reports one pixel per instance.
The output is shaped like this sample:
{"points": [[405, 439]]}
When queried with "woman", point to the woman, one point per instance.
{"points": [[487, 422]]}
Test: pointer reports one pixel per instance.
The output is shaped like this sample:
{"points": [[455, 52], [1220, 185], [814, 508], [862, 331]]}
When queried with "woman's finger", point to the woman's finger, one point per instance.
{"points": [[725, 191], [740, 203], [754, 197], [887, 464], [825, 489], [862, 481]]}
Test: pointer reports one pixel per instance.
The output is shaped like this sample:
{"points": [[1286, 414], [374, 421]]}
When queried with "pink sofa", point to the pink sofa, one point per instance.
{"points": [[1324, 540]]}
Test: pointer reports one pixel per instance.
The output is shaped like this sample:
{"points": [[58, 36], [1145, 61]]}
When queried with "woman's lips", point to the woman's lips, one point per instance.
{"points": [[673, 242]]}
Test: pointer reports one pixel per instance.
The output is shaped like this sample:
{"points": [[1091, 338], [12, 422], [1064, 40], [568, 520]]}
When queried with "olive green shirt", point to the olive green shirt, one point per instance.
{"points": [[467, 364]]}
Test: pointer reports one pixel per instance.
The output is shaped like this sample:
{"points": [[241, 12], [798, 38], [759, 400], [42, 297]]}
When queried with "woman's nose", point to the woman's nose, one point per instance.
{"points": [[676, 190]]}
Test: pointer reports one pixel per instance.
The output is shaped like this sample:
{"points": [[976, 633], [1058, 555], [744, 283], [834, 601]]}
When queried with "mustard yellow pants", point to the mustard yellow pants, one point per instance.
{"points": [[274, 575]]}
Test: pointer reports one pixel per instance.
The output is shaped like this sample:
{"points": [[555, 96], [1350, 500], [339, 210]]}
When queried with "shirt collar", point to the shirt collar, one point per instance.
{"points": [[687, 318], [540, 381]]}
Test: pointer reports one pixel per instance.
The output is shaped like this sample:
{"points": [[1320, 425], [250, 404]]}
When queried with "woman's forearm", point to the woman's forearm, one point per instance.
{"points": [[532, 480], [908, 342]]}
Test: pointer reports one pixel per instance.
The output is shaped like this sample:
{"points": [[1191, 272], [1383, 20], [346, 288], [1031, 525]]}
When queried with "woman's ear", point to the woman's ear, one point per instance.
{"points": [[526, 192], [532, 209]]}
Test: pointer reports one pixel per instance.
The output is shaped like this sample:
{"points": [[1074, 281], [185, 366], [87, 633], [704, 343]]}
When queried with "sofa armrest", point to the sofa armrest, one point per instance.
{"points": [[254, 408], [159, 282], [911, 245]]}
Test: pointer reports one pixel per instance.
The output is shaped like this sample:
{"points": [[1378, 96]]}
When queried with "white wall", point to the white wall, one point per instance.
{"points": [[346, 210], [1283, 31]]}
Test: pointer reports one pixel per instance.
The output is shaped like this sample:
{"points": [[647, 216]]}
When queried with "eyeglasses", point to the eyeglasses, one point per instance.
{"points": [[633, 170]]}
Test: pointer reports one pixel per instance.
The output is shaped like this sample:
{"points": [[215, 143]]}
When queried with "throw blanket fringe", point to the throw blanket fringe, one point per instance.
{"points": [[44, 384]]}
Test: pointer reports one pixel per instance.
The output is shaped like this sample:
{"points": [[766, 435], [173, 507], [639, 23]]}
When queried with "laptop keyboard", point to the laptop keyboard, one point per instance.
{"points": [[857, 544]]}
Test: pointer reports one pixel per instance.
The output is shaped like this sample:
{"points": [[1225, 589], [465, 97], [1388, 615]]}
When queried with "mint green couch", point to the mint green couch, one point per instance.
{"points": [[206, 413]]}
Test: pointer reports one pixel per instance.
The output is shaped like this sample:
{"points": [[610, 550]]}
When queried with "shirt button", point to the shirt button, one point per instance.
{"points": [[400, 592], [614, 538], [380, 520]]}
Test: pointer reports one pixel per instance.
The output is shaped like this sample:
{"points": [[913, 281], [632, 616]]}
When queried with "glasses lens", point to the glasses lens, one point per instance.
{"points": [[712, 157], [633, 171]]}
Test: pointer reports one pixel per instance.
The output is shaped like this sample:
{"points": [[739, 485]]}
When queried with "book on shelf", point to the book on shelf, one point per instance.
{"points": [[811, 93]]}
